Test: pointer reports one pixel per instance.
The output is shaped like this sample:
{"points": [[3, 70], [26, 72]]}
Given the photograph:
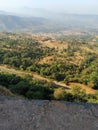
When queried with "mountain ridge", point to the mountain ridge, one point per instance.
{"points": [[43, 24]]}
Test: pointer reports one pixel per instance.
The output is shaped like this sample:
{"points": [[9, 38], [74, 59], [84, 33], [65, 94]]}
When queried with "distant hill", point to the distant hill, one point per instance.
{"points": [[42, 23], [17, 23]]}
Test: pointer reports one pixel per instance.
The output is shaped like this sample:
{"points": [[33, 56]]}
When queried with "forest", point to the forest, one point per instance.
{"points": [[64, 59]]}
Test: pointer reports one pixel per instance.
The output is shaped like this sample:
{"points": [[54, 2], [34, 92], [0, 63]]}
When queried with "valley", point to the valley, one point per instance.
{"points": [[68, 63], [49, 65]]}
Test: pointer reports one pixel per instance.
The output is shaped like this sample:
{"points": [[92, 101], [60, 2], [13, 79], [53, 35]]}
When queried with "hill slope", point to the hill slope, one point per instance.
{"points": [[16, 23], [54, 23]]}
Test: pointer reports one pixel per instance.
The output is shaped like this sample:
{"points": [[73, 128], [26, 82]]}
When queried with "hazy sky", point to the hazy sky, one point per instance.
{"points": [[68, 6]]}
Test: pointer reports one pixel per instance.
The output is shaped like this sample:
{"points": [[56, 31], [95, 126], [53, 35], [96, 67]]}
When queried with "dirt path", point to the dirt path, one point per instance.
{"points": [[33, 74], [39, 77]]}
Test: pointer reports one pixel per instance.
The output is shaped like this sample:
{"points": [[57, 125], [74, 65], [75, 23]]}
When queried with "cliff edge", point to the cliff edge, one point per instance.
{"points": [[19, 114]]}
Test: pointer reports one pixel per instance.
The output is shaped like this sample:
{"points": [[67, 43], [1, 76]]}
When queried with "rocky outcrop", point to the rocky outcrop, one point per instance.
{"points": [[18, 114]]}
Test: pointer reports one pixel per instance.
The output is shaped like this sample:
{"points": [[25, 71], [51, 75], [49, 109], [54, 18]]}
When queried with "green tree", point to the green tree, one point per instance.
{"points": [[78, 94]]}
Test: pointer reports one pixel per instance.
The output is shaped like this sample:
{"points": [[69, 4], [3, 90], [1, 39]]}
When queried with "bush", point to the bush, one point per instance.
{"points": [[20, 88], [59, 94], [78, 94]]}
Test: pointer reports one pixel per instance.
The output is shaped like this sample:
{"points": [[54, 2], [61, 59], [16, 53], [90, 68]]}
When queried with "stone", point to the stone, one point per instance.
{"points": [[20, 114]]}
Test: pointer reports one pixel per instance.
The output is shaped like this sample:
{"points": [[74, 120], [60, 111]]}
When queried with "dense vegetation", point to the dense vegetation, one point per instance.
{"points": [[77, 62], [26, 86], [32, 89]]}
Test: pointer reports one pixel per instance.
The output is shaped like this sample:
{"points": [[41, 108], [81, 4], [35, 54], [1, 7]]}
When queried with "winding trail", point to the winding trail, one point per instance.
{"points": [[4, 68], [34, 75]]}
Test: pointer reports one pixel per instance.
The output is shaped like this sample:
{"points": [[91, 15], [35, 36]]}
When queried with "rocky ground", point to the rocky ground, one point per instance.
{"points": [[19, 114]]}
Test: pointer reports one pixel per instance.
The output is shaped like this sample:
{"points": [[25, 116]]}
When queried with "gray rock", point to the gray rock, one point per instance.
{"points": [[19, 114]]}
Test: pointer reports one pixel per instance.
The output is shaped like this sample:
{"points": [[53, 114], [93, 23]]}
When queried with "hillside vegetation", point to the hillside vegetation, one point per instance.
{"points": [[66, 59]]}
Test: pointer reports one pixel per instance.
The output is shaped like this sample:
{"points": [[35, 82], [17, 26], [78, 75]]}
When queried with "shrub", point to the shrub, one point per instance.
{"points": [[78, 94], [59, 94]]}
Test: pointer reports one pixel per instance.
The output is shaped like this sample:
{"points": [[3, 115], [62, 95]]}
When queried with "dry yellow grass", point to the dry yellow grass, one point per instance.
{"points": [[87, 88], [47, 59], [5, 92], [54, 44]]}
